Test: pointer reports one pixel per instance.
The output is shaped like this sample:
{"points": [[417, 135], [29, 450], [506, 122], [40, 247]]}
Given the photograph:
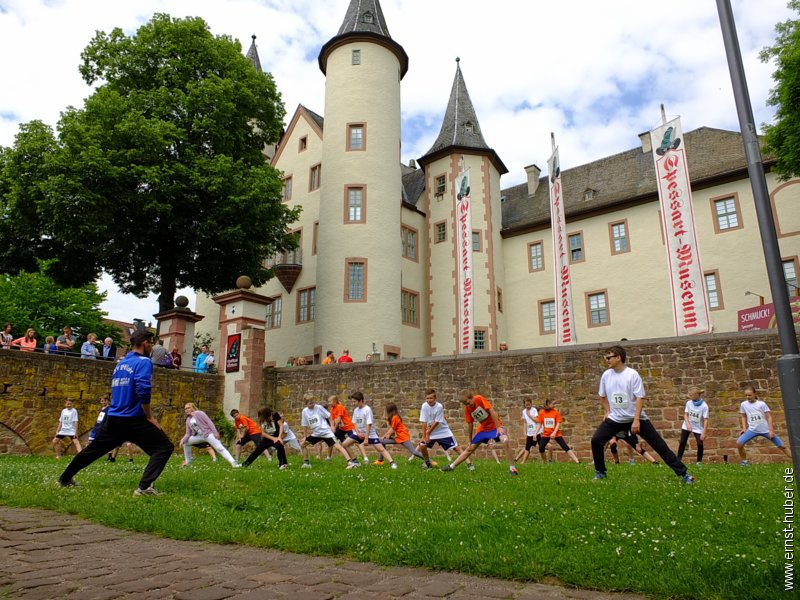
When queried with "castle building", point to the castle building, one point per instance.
{"points": [[375, 271]]}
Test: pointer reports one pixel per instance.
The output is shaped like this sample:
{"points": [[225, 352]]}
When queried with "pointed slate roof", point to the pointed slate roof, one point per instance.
{"points": [[460, 128], [252, 55], [364, 20]]}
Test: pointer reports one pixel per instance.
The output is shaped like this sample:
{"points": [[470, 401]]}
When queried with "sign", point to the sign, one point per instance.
{"points": [[233, 353], [466, 318], [763, 316], [565, 314], [689, 305]]}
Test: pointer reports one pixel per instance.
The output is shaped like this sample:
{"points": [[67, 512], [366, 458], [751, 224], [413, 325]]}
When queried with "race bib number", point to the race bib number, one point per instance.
{"points": [[755, 419], [100, 417], [479, 414], [549, 422], [619, 400], [694, 415], [313, 422], [361, 422], [531, 428]]}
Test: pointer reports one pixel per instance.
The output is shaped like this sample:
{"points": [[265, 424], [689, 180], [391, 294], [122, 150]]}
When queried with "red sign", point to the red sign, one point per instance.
{"points": [[234, 353], [763, 317]]}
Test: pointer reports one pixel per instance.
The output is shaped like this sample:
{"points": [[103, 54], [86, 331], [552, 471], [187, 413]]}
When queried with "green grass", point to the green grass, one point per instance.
{"points": [[640, 530]]}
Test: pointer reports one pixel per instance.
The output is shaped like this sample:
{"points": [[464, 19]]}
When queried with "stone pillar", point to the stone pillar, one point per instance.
{"points": [[242, 312], [176, 330]]}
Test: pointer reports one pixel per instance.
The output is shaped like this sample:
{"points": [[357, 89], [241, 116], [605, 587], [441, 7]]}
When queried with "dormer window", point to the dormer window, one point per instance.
{"points": [[468, 127], [588, 194], [368, 18]]}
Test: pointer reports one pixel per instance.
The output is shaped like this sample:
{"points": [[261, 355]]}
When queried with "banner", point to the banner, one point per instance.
{"points": [[466, 321], [763, 316], [689, 306], [234, 353], [565, 314]]}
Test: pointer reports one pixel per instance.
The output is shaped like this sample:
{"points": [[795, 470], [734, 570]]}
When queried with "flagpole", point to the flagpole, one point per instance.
{"points": [[789, 363]]}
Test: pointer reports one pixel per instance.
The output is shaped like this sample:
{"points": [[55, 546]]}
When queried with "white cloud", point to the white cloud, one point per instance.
{"points": [[594, 73]]}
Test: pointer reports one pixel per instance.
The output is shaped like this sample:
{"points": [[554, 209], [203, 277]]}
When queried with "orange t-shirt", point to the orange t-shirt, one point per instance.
{"points": [[480, 412], [338, 411], [248, 423], [400, 432], [549, 417]]}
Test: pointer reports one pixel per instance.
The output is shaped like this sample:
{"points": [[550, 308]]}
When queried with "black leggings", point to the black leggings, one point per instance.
{"points": [[608, 429], [544, 440], [261, 447], [682, 444]]}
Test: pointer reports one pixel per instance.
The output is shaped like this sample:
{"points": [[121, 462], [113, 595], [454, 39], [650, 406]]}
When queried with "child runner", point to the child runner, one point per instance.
{"points": [[271, 437], [316, 428], [199, 429], [551, 420], [435, 430], [397, 432], [695, 421], [342, 424], [247, 431], [289, 438], [364, 433], [477, 408], [67, 429], [756, 421], [532, 429], [100, 418]]}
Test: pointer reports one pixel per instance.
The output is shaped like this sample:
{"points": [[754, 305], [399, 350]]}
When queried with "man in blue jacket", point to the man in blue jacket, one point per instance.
{"points": [[129, 419]]}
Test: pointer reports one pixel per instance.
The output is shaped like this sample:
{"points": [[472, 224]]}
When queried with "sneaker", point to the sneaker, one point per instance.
{"points": [[269, 456], [434, 463], [513, 470], [66, 484], [112, 459], [470, 466], [599, 475], [745, 463], [366, 460], [283, 467], [327, 458], [353, 465], [447, 469], [393, 465], [236, 465], [410, 458], [151, 491], [688, 478], [631, 461], [378, 463], [426, 466], [306, 465], [130, 460]]}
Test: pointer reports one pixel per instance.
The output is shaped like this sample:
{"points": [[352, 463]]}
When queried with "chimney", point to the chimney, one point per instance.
{"points": [[412, 164], [533, 178], [647, 147]]}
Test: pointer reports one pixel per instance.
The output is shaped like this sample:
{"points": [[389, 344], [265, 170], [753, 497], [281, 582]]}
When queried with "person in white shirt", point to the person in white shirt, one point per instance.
{"points": [[532, 429], [621, 393], [67, 429], [317, 428], [435, 430], [695, 422], [365, 432], [756, 421]]}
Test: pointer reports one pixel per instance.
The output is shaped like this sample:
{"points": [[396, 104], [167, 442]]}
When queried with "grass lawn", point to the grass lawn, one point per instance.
{"points": [[640, 530]]}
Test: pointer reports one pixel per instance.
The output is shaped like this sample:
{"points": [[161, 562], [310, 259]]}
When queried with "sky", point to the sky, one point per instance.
{"points": [[593, 73]]}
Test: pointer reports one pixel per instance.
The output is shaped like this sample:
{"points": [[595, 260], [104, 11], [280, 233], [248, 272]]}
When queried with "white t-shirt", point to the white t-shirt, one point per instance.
{"points": [[696, 416], [362, 417], [621, 390], [435, 414], [530, 414], [756, 414], [317, 420], [288, 434], [194, 426], [69, 422]]}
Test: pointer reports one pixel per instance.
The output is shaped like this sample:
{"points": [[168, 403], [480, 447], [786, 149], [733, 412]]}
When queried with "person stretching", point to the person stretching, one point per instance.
{"points": [[397, 432], [199, 429]]}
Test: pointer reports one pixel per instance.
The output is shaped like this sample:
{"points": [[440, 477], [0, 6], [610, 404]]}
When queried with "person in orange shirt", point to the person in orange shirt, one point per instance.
{"points": [[247, 431], [342, 425], [551, 420], [329, 359], [490, 427], [26, 343], [397, 432]]}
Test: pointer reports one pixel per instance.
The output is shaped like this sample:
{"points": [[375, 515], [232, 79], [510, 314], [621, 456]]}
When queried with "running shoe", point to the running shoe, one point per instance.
{"points": [[470, 466], [599, 475], [513, 470], [66, 484], [393, 465], [306, 465], [688, 478], [151, 491], [447, 469]]}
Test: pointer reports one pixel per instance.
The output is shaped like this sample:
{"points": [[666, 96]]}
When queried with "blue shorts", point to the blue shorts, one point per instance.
{"points": [[374, 441], [445, 443], [749, 435], [484, 437], [354, 437]]}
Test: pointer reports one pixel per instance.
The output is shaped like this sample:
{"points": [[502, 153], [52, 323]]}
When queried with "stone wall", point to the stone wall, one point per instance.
{"points": [[721, 364], [33, 388]]}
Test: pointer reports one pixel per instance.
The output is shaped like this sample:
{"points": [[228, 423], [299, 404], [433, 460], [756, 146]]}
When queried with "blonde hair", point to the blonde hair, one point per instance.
{"points": [[191, 405], [334, 399]]}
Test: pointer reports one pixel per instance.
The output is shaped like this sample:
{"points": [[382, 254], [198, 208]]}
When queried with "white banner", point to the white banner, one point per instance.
{"points": [[689, 305], [466, 321], [565, 314]]}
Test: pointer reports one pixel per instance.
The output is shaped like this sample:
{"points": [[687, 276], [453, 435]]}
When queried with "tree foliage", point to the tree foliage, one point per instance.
{"points": [[160, 178], [35, 300], [782, 138]]}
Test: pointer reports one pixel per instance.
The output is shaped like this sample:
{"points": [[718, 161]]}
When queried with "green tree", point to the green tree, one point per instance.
{"points": [[35, 300], [160, 179], [782, 138]]}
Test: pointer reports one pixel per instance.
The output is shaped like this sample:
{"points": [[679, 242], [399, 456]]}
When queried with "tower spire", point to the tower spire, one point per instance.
{"points": [[252, 54]]}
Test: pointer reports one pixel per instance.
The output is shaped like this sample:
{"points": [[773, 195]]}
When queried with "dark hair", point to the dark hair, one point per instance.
{"points": [[329, 353], [391, 410], [430, 391], [357, 396], [234, 412], [618, 351], [752, 388], [140, 336], [265, 414]]}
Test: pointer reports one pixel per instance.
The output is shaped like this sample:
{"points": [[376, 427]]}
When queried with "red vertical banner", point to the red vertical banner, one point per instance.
{"points": [[233, 353], [565, 314], [466, 319]]}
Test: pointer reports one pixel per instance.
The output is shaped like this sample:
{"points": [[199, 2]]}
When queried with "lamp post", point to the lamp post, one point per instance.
{"points": [[789, 362], [759, 296]]}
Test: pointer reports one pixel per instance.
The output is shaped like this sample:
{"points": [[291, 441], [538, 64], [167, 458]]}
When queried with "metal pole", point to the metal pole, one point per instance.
{"points": [[789, 362]]}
